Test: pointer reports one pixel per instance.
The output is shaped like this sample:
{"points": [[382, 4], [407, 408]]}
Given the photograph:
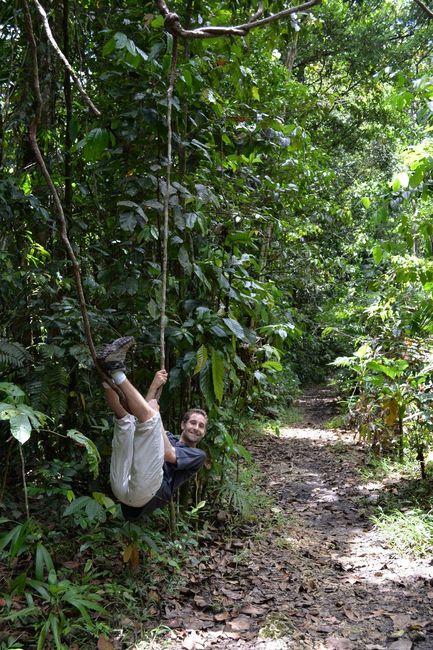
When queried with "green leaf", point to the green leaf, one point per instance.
{"points": [[395, 185], [273, 365], [202, 356], [366, 202], [363, 351], [109, 47], [235, 327], [76, 505], [93, 456], [377, 253], [417, 176], [183, 258], [206, 385], [217, 374], [157, 22], [95, 144], [120, 40], [11, 389], [42, 559], [21, 427], [169, 43], [199, 273]]}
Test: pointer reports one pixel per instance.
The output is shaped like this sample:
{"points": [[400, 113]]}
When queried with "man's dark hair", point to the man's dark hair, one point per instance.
{"points": [[190, 412]]}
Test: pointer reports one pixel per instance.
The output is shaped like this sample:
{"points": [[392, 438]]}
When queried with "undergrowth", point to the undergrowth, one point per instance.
{"points": [[76, 572], [404, 510]]}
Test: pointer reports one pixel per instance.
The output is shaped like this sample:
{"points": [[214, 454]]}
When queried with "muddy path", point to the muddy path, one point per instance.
{"points": [[312, 573]]}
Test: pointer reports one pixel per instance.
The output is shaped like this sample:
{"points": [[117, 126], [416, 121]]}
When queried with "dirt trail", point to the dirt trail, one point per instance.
{"points": [[314, 575]]}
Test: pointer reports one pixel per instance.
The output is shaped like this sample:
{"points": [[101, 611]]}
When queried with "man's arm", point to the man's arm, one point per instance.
{"points": [[158, 381]]}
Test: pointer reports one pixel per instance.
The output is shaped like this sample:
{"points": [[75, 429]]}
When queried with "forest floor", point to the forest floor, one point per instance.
{"points": [[312, 572]]}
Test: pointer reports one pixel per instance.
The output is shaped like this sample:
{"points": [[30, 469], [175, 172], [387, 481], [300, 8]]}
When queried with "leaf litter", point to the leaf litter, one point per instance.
{"points": [[311, 573]]}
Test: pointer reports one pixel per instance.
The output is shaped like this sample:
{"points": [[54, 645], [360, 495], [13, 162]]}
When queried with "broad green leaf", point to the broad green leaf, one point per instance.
{"points": [[109, 47], [76, 505], [417, 176], [202, 356], [21, 427], [217, 374], [377, 253], [95, 144], [235, 327], [199, 273], [274, 365], [395, 185], [206, 385], [183, 258], [366, 202], [363, 351], [11, 389], [93, 456]]}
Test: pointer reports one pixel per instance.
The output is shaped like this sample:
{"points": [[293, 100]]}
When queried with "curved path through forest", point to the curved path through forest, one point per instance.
{"points": [[313, 573]]}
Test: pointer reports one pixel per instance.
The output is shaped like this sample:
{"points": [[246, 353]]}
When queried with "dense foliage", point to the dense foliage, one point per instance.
{"points": [[299, 231]]}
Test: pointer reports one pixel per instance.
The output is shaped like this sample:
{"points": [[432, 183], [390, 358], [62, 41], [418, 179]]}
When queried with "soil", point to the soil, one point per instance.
{"points": [[312, 573]]}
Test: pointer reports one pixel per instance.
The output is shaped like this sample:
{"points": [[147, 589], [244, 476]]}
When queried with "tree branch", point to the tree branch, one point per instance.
{"points": [[172, 23], [65, 61], [424, 7]]}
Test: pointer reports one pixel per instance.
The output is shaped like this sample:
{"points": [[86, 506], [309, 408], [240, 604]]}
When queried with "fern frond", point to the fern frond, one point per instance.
{"points": [[48, 389], [12, 354]]}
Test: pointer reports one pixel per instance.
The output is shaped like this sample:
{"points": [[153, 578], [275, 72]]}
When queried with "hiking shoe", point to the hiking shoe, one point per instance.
{"points": [[111, 356]]}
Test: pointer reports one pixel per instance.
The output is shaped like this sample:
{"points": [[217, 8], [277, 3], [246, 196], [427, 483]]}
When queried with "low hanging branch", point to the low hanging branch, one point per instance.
{"points": [[62, 57], [63, 227]]}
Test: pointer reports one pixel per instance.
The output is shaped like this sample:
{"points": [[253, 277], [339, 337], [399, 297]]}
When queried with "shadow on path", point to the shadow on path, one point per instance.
{"points": [[313, 574]]}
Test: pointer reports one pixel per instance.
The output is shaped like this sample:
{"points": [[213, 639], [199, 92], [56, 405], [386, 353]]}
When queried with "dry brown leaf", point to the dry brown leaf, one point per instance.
{"points": [[351, 615], [252, 610], [221, 616], [104, 644], [233, 595], [239, 624], [127, 553]]}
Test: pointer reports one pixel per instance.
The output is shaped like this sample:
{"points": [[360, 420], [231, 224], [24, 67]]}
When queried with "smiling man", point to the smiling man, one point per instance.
{"points": [[148, 464]]}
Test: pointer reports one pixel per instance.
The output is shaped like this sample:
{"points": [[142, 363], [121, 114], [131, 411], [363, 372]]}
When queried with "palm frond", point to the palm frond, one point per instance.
{"points": [[13, 355]]}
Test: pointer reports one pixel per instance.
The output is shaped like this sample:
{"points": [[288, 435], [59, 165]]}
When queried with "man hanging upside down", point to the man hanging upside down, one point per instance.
{"points": [[148, 464]]}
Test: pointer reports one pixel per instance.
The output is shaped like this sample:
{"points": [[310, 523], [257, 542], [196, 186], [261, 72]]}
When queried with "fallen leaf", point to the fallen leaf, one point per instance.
{"points": [[252, 610], [222, 616], [239, 624], [104, 644], [234, 595], [401, 644], [351, 615]]}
